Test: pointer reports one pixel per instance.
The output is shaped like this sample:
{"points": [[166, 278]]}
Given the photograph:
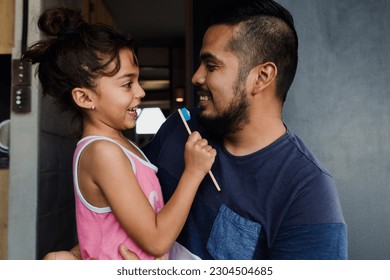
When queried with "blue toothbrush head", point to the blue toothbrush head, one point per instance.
{"points": [[186, 113]]}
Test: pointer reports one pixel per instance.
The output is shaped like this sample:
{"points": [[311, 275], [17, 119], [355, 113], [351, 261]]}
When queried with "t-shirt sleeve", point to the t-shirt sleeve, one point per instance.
{"points": [[311, 242], [316, 227]]}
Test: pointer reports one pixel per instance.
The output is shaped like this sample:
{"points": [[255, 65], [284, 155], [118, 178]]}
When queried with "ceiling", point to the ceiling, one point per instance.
{"points": [[146, 19]]}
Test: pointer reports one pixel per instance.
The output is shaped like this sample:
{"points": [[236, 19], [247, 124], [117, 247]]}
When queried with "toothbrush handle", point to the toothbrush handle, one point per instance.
{"points": [[189, 132]]}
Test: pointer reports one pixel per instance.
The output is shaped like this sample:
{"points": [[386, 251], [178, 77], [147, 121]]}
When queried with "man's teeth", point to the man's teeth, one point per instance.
{"points": [[204, 98]]}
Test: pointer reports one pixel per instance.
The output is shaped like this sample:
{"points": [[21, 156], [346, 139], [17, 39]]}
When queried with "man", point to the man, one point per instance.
{"points": [[277, 200]]}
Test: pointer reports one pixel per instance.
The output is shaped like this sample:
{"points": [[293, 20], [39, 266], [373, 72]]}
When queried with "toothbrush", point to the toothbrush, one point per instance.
{"points": [[185, 116]]}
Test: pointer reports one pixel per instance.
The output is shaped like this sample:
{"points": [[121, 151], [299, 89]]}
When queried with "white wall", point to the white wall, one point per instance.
{"points": [[23, 159], [25, 151]]}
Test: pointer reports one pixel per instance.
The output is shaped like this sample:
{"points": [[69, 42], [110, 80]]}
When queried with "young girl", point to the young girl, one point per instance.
{"points": [[92, 71]]}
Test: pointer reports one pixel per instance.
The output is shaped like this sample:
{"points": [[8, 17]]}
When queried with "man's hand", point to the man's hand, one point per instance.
{"points": [[126, 253], [73, 254], [129, 255]]}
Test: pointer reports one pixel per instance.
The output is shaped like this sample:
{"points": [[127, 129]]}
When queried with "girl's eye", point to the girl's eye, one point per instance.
{"points": [[128, 85]]}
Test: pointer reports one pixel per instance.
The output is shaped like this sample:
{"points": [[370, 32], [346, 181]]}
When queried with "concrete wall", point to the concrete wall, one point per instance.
{"points": [[23, 176], [339, 105], [41, 206]]}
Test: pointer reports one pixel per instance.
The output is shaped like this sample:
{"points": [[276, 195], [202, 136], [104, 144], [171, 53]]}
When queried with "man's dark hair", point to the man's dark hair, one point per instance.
{"points": [[266, 34]]}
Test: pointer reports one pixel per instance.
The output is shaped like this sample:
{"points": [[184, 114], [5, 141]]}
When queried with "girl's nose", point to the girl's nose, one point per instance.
{"points": [[140, 92]]}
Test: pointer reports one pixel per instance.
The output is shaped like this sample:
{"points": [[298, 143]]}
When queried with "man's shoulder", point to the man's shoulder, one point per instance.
{"points": [[303, 156]]}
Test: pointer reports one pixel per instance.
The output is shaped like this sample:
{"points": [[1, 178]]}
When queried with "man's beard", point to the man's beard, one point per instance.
{"points": [[230, 120]]}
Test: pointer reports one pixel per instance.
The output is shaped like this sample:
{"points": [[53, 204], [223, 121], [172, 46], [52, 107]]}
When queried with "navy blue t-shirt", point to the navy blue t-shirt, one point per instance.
{"points": [[277, 203]]}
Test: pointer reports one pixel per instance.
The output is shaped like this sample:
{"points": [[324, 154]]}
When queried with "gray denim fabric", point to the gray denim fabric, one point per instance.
{"points": [[232, 236]]}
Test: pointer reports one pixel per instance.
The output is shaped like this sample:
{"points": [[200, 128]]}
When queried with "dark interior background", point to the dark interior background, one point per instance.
{"points": [[5, 98]]}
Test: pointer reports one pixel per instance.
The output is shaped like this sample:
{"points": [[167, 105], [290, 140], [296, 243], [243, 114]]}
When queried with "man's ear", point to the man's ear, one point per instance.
{"points": [[265, 75], [83, 98]]}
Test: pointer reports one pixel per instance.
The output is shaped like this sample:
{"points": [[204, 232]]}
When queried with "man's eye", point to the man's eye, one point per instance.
{"points": [[211, 67]]}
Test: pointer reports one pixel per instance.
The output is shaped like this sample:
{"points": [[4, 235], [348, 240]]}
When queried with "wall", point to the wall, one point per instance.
{"points": [[40, 193], [339, 105], [56, 227], [4, 182], [23, 177], [7, 13]]}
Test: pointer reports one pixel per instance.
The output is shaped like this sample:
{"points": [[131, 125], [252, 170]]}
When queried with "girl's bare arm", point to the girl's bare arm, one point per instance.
{"points": [[111, 171]]}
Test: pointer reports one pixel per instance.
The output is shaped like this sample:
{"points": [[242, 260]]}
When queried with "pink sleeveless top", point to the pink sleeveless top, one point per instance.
{"points": [[99, 232]]}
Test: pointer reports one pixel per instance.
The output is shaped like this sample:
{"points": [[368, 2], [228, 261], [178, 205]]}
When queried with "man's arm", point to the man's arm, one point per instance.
{"points": [[311, 242], [315, 227]]}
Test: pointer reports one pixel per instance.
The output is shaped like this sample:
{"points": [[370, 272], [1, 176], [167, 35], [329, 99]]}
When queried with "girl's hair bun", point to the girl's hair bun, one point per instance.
{"points": [[59, 21], [74, 54]]}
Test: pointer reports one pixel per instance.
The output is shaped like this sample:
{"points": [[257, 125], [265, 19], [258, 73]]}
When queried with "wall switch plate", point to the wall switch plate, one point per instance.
{"points": [[21, 99], [21, 72], [21, 81]]}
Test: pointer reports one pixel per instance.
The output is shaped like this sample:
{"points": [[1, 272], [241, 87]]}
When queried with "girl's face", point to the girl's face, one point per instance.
{"points": [[120, 95]]}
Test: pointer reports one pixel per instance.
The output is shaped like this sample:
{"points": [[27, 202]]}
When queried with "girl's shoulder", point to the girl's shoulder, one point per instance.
{"points": [[102, 149]]}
